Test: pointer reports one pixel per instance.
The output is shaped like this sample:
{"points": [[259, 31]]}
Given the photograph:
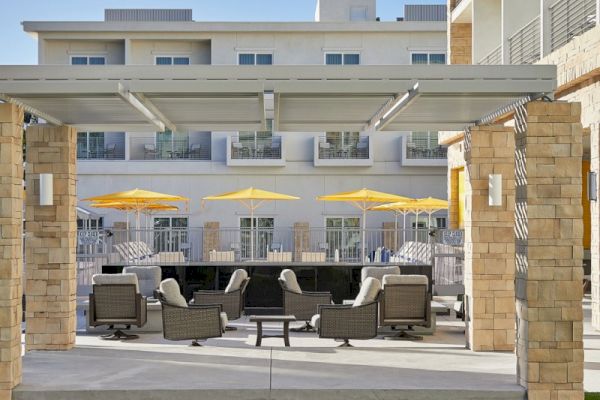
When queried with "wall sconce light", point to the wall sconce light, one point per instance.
{"points": [[46, 189], [495, 190], [592, 186]]}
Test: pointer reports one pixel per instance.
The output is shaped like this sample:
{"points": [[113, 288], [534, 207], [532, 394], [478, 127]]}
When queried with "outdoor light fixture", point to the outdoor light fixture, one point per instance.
{"points": [[46, 189], [592, 187], [495, 190]]}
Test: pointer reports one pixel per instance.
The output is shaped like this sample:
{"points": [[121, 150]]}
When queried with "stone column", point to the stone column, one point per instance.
{"points": [[301, 239], [11, 252], [489, 240], [595, 217], [390, 237], [210, 239], [549, 251], [51, 271]]}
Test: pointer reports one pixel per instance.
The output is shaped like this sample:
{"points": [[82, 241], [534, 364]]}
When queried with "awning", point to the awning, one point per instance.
{"points": [[297, 98]]}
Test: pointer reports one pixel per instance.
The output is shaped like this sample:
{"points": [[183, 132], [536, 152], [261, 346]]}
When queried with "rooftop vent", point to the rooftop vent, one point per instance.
{"points": [[424, 12], [152, 15]]}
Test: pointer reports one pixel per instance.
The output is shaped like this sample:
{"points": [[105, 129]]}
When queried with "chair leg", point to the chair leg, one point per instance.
{"points": [[119, 335], [231, 328], [305, 328], [195, 343], [346, 343], [403, 335]]}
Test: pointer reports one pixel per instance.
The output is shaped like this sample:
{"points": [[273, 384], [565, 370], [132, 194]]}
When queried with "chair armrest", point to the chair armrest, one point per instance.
{"points": [[347, 322], [190, 323]]}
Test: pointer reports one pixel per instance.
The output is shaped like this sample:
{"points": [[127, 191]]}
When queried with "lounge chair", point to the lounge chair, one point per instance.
{"points": [[116, 300], [356, 321], [231, 299], [378, 272], [188, 322], [405, 301], [148, 278], [303, 305]]}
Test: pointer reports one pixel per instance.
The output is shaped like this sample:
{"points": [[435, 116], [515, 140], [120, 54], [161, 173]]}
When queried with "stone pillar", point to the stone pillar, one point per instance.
{"points": [[549, 251], [301, 239], [51, 271], [11, 252], [595, 226], [210, 239], [460, 43], [489, 240], [390, 237]]}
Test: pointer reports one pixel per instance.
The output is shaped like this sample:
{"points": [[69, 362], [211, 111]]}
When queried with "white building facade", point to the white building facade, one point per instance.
{"points": [[198, 164]]}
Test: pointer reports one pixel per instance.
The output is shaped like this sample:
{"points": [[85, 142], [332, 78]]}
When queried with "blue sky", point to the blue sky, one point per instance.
{"points": [[16, 47]]}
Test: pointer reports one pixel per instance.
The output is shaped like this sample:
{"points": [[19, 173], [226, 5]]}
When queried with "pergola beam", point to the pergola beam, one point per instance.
{"points": [[388, 113], [137, 103], [40, 114]]}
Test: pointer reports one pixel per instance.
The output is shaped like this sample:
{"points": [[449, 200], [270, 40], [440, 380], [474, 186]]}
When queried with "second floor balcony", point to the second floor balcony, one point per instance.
{"points": [[343, 151], [193, 147], [254, 150], [100, 146], [422, 149]]}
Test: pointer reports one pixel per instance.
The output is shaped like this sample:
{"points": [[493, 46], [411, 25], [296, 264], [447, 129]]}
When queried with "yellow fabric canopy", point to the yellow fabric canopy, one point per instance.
{"points": [[251, 194], [124, 206], [400, 206], [364, 196], [430, 204], [137, 195]]}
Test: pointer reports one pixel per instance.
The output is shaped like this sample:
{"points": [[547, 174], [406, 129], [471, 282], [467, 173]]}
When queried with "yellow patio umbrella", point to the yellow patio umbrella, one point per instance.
{"points": [[400, 207], [251, 198], [430, 205], [364, 199]]}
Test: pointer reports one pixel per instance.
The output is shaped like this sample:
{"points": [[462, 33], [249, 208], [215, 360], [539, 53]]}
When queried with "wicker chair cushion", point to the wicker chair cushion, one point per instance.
{"points": [[289, 279], [315, 321], [116, 279], [368, 292], [378, 272], [148, 278], [170, 290], [405, 280], [237, 278]]}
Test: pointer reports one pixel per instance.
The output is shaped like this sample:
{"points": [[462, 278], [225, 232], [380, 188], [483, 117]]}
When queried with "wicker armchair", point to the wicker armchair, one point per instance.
{"points": [[188, 322], [232, 298], [116, 300], [406, 301], [357, 321], [303, 305]]}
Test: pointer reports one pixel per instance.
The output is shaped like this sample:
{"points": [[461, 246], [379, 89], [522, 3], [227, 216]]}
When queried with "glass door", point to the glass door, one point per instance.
{"points": [[170, 234], [171, 145], [263, 236], [343, 234]]}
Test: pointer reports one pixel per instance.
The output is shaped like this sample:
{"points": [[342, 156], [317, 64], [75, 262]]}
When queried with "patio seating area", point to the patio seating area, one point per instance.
{"points": [[232, 367]]}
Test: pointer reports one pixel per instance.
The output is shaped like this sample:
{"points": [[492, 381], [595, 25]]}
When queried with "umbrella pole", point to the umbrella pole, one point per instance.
{"points": [[395, 231], [364, 232], [251, 230], [403, 229]]}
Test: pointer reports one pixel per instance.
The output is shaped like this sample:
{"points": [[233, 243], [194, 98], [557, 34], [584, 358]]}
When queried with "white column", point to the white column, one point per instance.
{"points": [[545, 27]]}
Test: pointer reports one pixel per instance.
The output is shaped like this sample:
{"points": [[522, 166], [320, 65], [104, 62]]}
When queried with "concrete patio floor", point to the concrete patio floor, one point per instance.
{"points": [[232, 368]]}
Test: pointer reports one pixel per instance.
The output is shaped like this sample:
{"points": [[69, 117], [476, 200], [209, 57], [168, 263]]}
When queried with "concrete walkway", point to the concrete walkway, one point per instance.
{"points": [[232, 368]]}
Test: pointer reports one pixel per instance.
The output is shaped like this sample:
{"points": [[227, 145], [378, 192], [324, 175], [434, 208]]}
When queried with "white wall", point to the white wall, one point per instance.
{"points": [[487, 27], [60, 51], [143, 52]]}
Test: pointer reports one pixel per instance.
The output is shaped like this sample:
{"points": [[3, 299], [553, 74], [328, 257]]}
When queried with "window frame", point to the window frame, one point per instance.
{"points": [[343, 53], [87, 59], [172, 57], [429, 53], [255, 53]]}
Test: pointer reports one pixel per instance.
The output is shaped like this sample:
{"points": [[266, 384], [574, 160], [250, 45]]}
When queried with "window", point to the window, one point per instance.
{"points": [[428, 58], [90, 223], [172, 60], [343, 234], [262, 235], [171, 145], [255, 59], [90, 145], [342, 59], [440, 222], [171, 234], [358, 13], [88, 60]]}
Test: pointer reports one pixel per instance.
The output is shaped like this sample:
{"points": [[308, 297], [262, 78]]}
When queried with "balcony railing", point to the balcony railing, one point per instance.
{"points": [[524, 45], [494, 57], [105, 147], [570, 18], [337, 150], [176, 149], [262, 149]]}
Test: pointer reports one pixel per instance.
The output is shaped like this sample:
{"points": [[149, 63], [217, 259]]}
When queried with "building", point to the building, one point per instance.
{"points": [[306, 164]]}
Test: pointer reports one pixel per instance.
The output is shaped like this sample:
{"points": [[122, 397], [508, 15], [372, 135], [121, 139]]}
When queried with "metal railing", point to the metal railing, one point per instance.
{"points": [[494, 57], [261, 149], [419, 146], [335, 149], [524, 45], [176, 149], [570, 18], [176, 246], [95, 149]]}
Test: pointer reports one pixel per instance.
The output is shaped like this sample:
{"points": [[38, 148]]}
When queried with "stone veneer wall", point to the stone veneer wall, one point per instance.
{"points": [[460, 43], [489, 239], [579, 57], [11, 261], [549, 250], [210, 239], [301, 239], [51, 272]]}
